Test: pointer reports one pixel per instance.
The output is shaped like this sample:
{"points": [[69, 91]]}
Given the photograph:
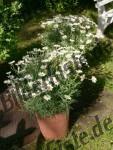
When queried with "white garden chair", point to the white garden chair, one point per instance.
{"points": [[105, 17]]}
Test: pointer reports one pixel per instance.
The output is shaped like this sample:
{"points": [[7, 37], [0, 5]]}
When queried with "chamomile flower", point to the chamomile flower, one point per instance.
{"points": [[28, 76], [79, 71], [12, 62], [82, 77], [49, 87], [55, 26], [82, 47], [72, 41], [88, 41], [55, 81], [58, 73], [67, 97], [7, 81], [41, 74], [47, 97], [64, 37], [94, 79], [34, 95], [21, 62], [30, 84]]}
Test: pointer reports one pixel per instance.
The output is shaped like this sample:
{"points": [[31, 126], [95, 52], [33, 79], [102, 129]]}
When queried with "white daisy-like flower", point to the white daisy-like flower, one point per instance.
{"points": [[64, 37], [79, 71], [76, 24], [36, 49], [40, 80], [88, 41], [21, 62], [57, 73], [21, 79], [43, 67], [55, 26], [82, 47], [43, 26], [61, 32], [82, 27], [47, 97], [67, 97], [88, 27], [34, 95], [56, 46], [45, 48], [49, 87], [55, 81], [7, 82], [11, 77], [82, 77], [30, 84], [20, 91], [8, 73], [26, 93], [45, 61], [12, 62], [38, 92], [67, 72], [94, 79], [65, 75], [71, 40], [78, 56], [89, 35], [73, 19], [28, 76], [50, 22], [68, 56], [41, 74]]}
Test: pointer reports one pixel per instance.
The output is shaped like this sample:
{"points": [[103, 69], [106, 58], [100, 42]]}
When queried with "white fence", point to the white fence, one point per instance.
{"points": [[105, 17]]}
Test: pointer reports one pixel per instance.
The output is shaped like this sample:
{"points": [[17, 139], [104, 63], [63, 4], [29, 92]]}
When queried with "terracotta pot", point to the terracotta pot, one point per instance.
{"points": [[55, 127]]}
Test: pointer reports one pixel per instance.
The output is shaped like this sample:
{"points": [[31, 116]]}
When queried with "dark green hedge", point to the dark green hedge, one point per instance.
{"points": [[30, 6]]}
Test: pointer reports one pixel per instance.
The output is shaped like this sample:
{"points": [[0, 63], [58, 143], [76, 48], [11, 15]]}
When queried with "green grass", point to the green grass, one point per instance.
{"points": [[104, 142]]}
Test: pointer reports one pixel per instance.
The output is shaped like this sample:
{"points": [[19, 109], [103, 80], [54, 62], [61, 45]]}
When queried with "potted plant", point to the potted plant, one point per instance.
{"points": [[46, 81]]}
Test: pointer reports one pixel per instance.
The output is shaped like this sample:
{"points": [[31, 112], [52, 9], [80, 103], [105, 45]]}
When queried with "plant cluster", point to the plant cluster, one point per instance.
{"points": [[47, 79], [9, 24], [75, 31]]}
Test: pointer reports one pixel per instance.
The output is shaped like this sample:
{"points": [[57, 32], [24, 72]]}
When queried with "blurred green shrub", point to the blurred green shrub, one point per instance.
{"points": [[60, 5], [30, 6], [9, 24]]}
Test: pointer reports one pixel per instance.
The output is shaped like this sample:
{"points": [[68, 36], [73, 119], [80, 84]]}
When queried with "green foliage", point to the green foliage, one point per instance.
{"points": [[30, 6], [60, 5], [58, 102], [9, 24]]}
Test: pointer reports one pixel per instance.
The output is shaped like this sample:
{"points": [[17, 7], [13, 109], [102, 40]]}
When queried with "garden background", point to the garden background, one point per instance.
{"points": [[19, 23]]}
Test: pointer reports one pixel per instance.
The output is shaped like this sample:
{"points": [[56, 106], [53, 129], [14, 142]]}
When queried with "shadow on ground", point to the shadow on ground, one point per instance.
{"points": [[89, 93], [16, 139]]}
